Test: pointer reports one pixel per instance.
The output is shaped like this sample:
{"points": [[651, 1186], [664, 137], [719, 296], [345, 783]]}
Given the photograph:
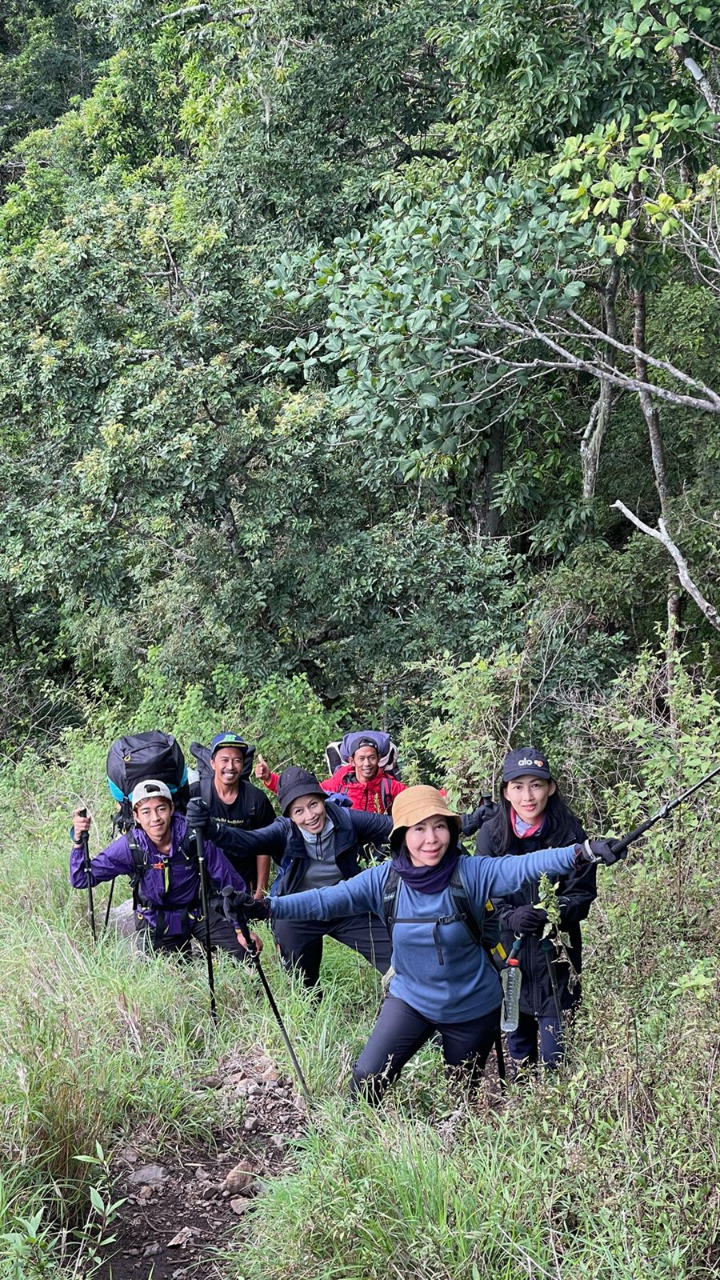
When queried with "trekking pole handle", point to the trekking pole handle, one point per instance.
{"points": [[85, 840], [237, 918]]}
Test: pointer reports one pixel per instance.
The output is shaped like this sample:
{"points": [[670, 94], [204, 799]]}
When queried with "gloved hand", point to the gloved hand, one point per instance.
{"points": [[599, 851], [472, 822], [339, 797], [199, 818], [528, 921], [244, 905]]}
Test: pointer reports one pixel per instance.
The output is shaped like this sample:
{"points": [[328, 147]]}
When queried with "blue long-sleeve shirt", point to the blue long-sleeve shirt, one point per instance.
{"points": [[464, 985], [169, 883]]}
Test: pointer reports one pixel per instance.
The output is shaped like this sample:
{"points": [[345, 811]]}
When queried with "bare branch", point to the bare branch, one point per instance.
{"points": [[704, 85], [662, 536], [193, 9], [596, 368]]}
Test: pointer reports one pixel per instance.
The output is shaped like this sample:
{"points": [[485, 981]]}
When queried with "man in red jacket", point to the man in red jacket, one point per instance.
{"points": [[362, 779]]}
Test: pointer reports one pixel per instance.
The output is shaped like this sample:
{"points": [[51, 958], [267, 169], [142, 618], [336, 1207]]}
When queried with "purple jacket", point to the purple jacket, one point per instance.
{"points": [[170, 883]]}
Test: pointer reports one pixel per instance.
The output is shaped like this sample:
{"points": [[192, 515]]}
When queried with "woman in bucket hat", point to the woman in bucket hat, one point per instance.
{"points": [[533, 815], [443, 982]]}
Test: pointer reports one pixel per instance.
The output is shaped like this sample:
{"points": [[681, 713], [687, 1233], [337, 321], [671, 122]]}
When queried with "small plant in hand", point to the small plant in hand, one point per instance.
{"points": [[548, 902]]}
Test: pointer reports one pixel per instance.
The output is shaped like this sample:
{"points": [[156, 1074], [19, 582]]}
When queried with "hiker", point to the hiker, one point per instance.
{"points": [[317, 842], [533, 816], [234, 801], [443, 981], [153, 854], [370, 787]]}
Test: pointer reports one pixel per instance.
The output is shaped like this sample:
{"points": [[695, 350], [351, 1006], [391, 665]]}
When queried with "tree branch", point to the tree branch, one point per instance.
{"points": [[193, 9], [662, 536]]}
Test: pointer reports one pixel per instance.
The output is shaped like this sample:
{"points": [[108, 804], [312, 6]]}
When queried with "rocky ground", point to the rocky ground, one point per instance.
{"points": [[182, 1207]]}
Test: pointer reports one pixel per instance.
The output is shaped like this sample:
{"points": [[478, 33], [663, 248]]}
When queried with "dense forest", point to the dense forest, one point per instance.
{"points": [[333, 334], [358, 364]]}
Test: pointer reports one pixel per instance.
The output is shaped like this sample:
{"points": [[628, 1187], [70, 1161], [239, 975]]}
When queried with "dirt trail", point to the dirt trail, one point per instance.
{"points": [[183, 1206]]}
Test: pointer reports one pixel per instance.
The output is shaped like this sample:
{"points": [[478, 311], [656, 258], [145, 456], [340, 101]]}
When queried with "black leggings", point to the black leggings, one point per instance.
{"points": [[301, 942], [400, 1031]]}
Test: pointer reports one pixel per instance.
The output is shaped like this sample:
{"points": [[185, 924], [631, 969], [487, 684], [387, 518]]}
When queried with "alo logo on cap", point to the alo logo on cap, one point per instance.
{"points": [[539, 764]]}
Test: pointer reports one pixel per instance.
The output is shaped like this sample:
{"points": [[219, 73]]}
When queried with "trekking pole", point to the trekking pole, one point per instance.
{"points": [[200, 845], [621, 845], [109, 904], [239, 921], [547, 947], [500, 1056], [85, 841]]}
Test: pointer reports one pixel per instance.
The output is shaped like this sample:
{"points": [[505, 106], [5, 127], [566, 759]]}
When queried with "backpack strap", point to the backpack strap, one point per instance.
{"points": [[206, 789], [463, 906], [486, 937], [389, 899], [139, 865]]}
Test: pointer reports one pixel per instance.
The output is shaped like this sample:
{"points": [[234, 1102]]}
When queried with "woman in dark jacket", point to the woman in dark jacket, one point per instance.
{"points": [[534, 816], [318, 843]]}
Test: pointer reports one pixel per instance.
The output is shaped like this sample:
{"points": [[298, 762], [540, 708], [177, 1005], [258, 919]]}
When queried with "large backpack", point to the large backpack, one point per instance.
{"points": [[338, 753], [486, 932], [140, 756], [204, 768]]}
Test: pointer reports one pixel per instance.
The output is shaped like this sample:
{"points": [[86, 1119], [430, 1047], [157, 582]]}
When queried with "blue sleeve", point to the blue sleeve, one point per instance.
{"points": [[266, 840], [116, 860], [349, 898], [220, 870], [371, 826], [493, 877]]}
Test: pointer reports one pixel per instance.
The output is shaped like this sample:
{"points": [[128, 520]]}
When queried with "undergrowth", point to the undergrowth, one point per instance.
{"points": [[607, 1169]]}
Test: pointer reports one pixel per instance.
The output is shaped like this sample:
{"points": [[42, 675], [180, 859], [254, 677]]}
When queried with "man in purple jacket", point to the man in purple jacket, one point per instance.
{"points": [[162, 865]]}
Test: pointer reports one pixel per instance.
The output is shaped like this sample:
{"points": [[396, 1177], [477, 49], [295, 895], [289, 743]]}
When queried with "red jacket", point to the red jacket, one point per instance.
{"points": [[375, 796]]}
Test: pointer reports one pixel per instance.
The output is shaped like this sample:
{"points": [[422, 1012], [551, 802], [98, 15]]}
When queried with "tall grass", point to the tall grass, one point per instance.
{"points": [[608, 1169]]}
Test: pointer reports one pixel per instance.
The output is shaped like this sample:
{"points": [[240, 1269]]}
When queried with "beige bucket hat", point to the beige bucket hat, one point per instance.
{"points": [[415, 804]]}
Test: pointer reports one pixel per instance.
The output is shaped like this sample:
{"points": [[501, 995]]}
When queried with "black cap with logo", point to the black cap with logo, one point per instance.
{"points": [[526, 762]]}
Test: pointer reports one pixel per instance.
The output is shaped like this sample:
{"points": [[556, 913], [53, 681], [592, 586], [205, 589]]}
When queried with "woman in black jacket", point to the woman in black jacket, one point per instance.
{"points": [[534, 816]]}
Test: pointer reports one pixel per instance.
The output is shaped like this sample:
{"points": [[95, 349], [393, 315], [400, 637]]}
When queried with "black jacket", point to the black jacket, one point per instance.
{"points": [[283, 841], [576, 892]]}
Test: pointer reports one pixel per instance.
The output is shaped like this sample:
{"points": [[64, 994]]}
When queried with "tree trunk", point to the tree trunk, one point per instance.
{"points": [[650, 413], [486, 517], [594, 433]]}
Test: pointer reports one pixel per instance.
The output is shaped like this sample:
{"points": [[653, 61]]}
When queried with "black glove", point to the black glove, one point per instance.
{"points": [[529, 921], [243, 906], [607, 851], [199, 818], [472, 822]]}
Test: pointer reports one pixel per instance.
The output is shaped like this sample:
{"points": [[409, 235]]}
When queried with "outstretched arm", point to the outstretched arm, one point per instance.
{"points": [[220, 870], [371, 826], [349, 898], [493, 877]]}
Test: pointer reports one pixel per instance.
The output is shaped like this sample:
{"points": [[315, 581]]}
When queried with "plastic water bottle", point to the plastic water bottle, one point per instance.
{"points": [[511, 983]]}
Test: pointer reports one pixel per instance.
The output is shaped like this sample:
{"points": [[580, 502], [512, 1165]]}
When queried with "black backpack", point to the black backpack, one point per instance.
{"points": [[336, 757], [140, 756], [485, 932]]}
